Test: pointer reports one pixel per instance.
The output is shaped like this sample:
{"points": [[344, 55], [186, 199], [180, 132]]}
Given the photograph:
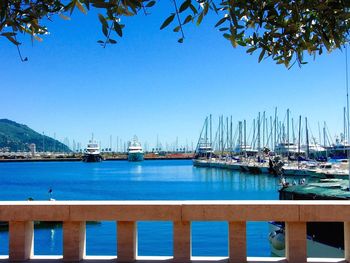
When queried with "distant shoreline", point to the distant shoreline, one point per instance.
{"points": [[80, 159]]}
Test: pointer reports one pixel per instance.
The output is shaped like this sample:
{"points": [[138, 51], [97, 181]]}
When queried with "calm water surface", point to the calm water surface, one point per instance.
{"points": [[148, 180]]}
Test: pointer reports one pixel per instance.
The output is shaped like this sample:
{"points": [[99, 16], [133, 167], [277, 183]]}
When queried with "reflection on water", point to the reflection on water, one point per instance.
{"points": [[259, 186]]}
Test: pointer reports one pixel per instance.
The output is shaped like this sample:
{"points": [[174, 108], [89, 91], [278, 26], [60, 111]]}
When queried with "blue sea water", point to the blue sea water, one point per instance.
{"points": [[148, 180]]}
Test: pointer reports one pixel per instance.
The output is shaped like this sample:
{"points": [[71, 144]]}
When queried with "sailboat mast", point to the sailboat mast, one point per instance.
{"points": [[347, 105], [210, 128], [222, 134], [258, 135], [271, 130], [253, 141], [263, 144], [299, 135], [288, 130], [206, 132], [275, 135], [324, 134], [227, 133], [240, 137], [245, 137], [293, 134], [231, 135], [319, 132], [307, 138], [344, 123]]}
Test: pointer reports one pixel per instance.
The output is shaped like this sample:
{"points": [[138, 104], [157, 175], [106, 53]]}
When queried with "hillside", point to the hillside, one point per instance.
{"points": [[17, 137]]}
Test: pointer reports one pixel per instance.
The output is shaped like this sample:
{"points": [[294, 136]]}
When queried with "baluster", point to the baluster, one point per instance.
{"points": [[237, 242], [296, 251], [347, 241], [127, 241], [21, 234], [182, 241], [73, 240]]}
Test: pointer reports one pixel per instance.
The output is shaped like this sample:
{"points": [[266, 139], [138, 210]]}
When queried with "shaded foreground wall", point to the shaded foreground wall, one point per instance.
{"points": [[74, 214]]}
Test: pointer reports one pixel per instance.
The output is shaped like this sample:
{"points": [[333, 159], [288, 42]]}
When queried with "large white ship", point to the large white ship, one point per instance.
{"points": [[92, 153], [135, 151]]}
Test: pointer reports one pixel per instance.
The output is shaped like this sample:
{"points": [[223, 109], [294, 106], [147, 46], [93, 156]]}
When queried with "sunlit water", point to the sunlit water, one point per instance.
{"points": [[148, 180]]}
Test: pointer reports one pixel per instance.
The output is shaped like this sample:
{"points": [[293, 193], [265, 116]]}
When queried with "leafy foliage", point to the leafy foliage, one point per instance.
{"points": [[17, 137], [283, 30]]}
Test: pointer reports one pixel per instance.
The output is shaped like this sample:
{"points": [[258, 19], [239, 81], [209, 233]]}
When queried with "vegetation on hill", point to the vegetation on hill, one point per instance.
{"points": [[18, 137]]}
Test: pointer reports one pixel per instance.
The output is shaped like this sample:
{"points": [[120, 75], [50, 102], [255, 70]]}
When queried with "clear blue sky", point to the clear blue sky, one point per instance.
{"points": [[149, 84]]}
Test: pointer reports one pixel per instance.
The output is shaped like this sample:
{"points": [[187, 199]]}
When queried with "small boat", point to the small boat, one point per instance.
{"points": [[135, 152]]}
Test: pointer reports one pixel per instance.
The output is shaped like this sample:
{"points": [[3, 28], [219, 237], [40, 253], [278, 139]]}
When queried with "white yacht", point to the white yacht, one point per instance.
{"points": [[286, 148], [248, 149], [315, 150], [135, 152], [92, 153], [204, 150]]}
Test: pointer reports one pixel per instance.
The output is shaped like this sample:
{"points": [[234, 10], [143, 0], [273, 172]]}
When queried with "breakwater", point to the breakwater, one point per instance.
{"points": [[122, 157]]}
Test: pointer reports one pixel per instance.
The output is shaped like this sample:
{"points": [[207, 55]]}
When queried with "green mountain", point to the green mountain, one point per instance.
{"points": [[17, 137]]}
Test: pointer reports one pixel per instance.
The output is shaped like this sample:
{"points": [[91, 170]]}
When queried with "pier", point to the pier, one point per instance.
{"points": [[126, 214]]}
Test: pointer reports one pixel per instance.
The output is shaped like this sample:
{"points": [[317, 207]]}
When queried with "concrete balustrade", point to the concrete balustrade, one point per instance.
{"points": [[74, 214]]}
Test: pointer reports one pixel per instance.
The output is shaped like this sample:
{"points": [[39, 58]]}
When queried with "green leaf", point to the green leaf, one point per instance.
{"points": [[184, 6], [112, 41], [38, 38], [80, 7], [64, 17], [177, 29], [194, 10], [200, 18], [251, 50], [13, 40], [180, 40], [227, 36], [100, 42], [187, 19], [262, 54], [151, 3], [105, 30], [118, 29], [103, 20], [101, 5], [222, 20], [167, 21], [224, 29], [8, 34]]}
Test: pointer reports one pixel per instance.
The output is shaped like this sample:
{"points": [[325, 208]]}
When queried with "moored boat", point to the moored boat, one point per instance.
{"points": [[92, 153], [135, 151], [324, 239]]}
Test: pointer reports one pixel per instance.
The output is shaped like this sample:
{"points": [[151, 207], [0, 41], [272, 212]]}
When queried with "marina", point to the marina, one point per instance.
{"points": [[264, 179], [273, 147]]}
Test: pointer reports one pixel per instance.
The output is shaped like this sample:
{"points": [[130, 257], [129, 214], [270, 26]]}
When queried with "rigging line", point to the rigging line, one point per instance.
{"points": [[327, 130]]}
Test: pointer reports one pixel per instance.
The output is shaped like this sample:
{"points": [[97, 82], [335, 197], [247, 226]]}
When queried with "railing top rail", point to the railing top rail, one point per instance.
{"points": [[292, 211], [178, 202]]}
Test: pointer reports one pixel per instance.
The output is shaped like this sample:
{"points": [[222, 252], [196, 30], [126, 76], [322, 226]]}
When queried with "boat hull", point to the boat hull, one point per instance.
{"points": [[314, 249], [92, 158], [135, 157]]}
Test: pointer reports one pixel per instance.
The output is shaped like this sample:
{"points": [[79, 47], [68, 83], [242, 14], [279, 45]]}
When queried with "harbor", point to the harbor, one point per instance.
{"points": [[131, 133]]}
